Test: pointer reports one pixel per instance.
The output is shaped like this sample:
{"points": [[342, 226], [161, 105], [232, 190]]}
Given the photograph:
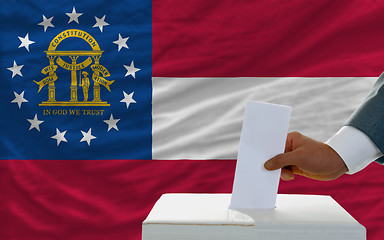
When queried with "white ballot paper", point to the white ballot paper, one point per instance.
{"points": [[263, 136]]}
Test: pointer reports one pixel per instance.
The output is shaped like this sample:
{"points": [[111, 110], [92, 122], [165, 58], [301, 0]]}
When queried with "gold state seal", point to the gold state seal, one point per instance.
{"points": [[99, 75]]}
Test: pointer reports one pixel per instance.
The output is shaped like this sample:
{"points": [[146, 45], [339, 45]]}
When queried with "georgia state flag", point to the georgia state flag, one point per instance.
{"points": [[97, 97]]}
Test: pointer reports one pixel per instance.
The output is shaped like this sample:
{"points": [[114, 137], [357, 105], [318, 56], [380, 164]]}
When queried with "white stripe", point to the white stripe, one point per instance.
{"points": [[201, 118]]}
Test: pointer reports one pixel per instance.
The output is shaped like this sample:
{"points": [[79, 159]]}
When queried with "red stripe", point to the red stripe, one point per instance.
{"points": [[105, 199], [267, 38], [109, 199]]}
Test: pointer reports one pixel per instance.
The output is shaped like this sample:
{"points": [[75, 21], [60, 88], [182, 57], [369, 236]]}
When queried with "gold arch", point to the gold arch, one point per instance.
{"points": [[73, 33]]}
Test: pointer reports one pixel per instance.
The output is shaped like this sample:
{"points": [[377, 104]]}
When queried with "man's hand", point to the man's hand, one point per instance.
{"points": [[307, 157]]}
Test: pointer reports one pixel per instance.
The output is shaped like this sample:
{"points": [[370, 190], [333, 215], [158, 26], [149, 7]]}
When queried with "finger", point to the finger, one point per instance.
{"points": [[287, 174], [291, 138], [281, 160], [288, 143]]}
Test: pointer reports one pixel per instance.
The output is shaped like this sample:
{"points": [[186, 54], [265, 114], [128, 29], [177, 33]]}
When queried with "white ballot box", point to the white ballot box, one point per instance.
{"points": [[208, 217]]}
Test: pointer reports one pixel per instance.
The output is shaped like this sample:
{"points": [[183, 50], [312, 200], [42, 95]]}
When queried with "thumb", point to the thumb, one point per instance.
{"points": [[280, 161]]}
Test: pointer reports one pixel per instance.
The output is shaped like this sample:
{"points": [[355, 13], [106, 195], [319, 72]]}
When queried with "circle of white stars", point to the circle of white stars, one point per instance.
{"points": [[26, 42]]}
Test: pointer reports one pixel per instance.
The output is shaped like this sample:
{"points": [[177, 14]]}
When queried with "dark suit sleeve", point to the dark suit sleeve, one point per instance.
{"points": [[369, 116]]}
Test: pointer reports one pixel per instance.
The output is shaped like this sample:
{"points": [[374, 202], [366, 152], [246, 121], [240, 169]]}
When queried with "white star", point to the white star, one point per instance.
{"points": [[15, 69], [25, 42], [87, 136], [19, 99], [131, 70], [35, 123], [100, 23], [121, 42], [74, 16], [59, 136], [46, 23], [112, 123], [128, 99]]}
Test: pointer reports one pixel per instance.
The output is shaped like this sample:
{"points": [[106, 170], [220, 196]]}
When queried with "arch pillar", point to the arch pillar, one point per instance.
{"points": [[73, 80]]}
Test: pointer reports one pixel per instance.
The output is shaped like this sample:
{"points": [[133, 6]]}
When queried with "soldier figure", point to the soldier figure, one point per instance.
{"points": [[84, 83]]}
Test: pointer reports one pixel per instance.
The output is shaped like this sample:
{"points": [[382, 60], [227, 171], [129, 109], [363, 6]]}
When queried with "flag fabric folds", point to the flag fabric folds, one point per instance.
{"points": [[78, 80], [106, 105]]}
